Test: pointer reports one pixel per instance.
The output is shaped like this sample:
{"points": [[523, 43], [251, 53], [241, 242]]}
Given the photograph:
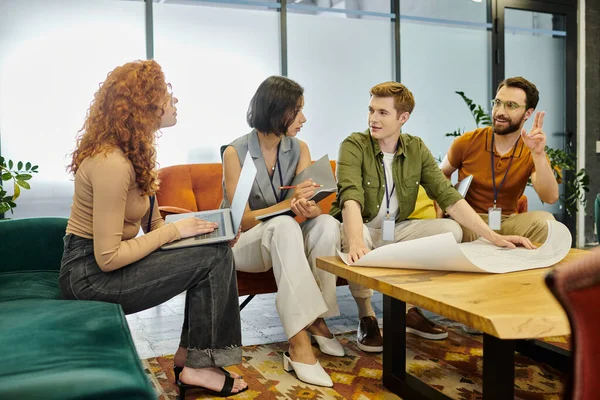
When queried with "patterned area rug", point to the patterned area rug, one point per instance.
{"points": [[452, 366]]}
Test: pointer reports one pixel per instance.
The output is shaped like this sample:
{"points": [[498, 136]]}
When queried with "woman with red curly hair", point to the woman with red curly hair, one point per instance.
{"points": [[115, 176]]}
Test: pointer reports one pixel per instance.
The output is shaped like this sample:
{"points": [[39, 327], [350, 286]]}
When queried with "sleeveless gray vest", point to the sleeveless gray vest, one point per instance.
{"points": [[262, 195]]}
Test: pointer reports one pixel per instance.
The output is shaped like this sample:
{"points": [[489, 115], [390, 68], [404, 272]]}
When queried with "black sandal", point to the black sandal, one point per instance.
{"points": [[226, 390], [177, 370]]}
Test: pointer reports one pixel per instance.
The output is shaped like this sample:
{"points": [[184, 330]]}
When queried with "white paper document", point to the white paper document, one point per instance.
{"points": [[442, 253]]}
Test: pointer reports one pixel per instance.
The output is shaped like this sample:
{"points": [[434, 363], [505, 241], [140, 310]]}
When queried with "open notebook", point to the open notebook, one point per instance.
{"points": [[320, 172]]}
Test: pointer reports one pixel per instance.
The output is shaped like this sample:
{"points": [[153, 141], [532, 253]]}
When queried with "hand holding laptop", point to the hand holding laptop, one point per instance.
{"points": [[233, 241], [193, 226]]}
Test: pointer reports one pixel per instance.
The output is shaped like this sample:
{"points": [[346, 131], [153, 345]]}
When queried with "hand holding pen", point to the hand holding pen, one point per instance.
{"points": [[304, 190], [316, 185]]}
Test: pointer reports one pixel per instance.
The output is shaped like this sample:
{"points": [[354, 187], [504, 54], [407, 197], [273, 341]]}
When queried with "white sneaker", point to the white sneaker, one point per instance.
{"points": [[309, 373]]}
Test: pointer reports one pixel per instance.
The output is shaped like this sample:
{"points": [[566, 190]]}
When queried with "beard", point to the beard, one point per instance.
{"points": [[512, 126]]}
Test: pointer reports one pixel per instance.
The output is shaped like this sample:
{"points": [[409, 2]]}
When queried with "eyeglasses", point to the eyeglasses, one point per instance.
{"points": [[508, 105]]}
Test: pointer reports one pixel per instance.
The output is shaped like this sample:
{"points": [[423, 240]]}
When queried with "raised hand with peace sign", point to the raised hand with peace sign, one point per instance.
{"points": [[535, 140]]}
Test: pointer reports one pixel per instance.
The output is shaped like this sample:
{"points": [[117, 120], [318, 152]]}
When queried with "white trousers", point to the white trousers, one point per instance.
{"points": [[405, 230], [304, 292]]}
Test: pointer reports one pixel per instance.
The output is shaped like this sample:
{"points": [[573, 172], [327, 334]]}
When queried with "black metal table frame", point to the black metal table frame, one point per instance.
{"points": [[498, 359]]}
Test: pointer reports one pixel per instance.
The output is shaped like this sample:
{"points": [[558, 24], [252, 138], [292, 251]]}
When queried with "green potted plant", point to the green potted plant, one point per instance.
{"points": [[19, 173], [560, 161]]}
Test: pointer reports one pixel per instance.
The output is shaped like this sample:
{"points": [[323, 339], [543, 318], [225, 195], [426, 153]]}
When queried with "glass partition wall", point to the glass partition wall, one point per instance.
{"points": [[337, 55], [215, 57], [444, 49], [54, 53]]}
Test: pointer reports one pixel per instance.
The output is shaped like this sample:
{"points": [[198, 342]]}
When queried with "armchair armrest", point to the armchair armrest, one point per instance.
{"points": [[174, 210], [167, 210]]}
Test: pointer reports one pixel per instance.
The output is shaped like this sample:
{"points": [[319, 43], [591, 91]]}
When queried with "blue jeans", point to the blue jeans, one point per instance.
{"points": [[211, 327]]}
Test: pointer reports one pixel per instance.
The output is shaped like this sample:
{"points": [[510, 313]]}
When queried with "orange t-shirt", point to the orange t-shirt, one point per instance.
{"points": [[470, 154]]}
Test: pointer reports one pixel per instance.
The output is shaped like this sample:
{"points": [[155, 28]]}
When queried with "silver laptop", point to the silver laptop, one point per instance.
{"points": [[463, 186], [228, 219]]}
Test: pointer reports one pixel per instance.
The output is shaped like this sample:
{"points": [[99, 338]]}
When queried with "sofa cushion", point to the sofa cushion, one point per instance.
{"points": [[424, 208], [61, 349], [29, 285], [31, 244]]}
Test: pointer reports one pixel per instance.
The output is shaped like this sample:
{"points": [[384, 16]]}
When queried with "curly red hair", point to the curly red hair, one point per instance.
{"points": [[125, 115]]}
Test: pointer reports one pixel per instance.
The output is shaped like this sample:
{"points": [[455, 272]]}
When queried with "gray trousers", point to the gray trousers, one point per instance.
{"points": [[211, 327]]}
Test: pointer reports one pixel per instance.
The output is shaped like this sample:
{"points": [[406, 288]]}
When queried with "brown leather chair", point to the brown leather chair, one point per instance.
{"points": [[198, 187], [576, 285]]}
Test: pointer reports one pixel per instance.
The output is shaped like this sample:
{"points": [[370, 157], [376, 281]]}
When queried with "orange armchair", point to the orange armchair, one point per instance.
{"points": [[189, 188], [198, 187]]}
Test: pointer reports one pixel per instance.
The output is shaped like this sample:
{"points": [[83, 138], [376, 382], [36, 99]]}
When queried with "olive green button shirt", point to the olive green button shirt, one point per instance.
{"points": [[360, 176]]}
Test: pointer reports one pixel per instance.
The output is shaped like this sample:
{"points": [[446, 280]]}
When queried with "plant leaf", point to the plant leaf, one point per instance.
{"points": [[20, 165], [28, 166], [4, 207], [6, 176], [455, 133], [17, 192], [23, 177], [10, 164], [23, 184]]}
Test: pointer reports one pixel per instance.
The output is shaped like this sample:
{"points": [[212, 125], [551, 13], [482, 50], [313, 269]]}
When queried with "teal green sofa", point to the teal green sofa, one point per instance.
{"points": [[53, 348]]}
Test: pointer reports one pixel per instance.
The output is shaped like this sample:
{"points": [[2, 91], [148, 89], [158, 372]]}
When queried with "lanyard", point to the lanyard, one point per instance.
{"points": [[279, 198], [496, 190], [387, 195]]}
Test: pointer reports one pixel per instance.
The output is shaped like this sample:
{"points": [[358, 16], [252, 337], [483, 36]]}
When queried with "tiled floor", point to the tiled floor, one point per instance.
{"points": [[156, 330]]}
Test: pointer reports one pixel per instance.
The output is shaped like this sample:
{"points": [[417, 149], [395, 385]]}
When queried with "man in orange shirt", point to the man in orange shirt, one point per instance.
{"points": [[501, 159]]}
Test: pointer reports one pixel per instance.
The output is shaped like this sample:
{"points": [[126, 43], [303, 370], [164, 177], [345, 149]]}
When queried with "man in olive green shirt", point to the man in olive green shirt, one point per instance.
{"points": [[379, 173]]}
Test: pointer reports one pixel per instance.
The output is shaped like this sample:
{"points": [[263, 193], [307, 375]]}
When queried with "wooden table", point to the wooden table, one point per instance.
{"points": [[507, 308]]}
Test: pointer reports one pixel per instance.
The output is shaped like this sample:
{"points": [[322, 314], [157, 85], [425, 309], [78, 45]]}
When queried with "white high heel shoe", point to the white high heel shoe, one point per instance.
{"points": [[309, 373], [327, 345]]}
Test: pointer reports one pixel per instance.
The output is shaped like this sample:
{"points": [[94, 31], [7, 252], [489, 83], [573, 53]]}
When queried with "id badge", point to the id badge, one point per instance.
{"points": [[387, 229], [494, 218]]}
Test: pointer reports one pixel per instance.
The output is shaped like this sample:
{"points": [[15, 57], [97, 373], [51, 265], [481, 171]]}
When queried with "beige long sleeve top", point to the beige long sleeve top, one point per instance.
{"points": [[109, 208]]}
